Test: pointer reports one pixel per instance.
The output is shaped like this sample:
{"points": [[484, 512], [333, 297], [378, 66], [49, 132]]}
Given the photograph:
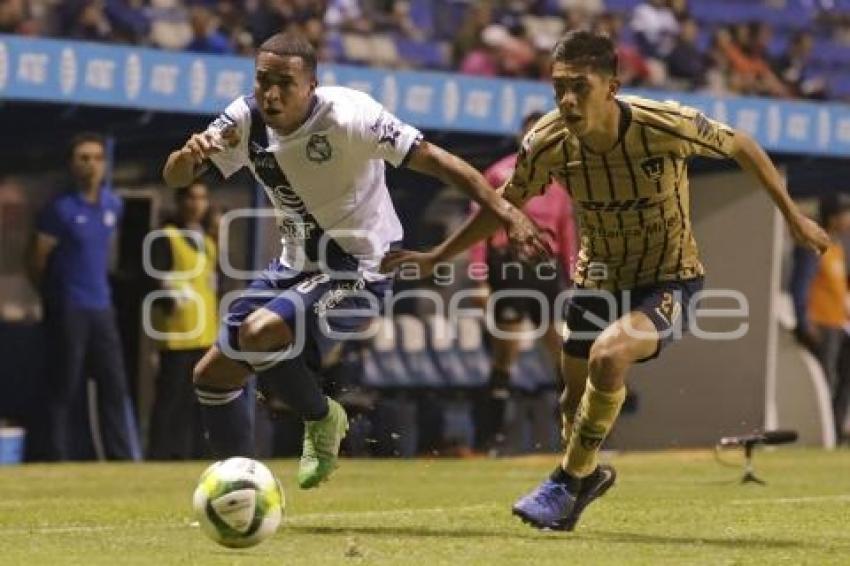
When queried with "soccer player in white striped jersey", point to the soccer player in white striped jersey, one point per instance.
{"points": [[319, 152]]}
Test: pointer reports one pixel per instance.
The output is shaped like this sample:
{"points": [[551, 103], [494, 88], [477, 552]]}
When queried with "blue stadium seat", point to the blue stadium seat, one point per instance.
{"points": [[450, 360], [839, 85], [448, 17], [382, 363], [415, 352], [470, 344], [534, 370], [621, 5], [422, 14], [427, 54]]}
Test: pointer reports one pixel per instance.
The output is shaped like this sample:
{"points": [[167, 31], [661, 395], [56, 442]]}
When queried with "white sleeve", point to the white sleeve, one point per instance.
{"points": [[385, 136], [233, 158]]}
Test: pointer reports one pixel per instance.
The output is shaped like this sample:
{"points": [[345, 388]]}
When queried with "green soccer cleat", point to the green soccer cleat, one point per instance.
{"points": [[321, 446]]}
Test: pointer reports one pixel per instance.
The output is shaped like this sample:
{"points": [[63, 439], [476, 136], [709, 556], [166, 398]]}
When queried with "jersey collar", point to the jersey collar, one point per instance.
{"points": [[625, 122]]}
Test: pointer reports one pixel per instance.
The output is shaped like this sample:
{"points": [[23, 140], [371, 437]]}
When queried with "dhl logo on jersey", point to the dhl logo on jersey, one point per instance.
{"points": [[616, 205]]}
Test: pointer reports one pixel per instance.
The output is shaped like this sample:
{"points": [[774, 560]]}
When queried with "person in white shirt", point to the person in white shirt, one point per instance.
{"points": [[656, 28], [319, 152]]}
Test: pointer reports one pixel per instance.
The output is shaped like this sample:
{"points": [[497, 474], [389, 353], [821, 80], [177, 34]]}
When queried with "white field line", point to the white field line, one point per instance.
{"points": [[287, 520], [786, 500]]}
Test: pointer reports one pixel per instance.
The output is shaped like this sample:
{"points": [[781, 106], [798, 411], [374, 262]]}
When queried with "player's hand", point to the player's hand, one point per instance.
{"points": [[423, 262], [809, 234], [204, 144], [526, 237]]}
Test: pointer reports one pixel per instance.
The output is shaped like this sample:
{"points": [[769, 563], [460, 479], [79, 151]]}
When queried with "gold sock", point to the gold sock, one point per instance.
{"points": [[596, 415], [567, 422]]}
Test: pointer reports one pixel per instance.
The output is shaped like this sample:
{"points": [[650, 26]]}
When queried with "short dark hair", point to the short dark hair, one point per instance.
{"points": [[593, 50], [291, 44], [85, 137]]}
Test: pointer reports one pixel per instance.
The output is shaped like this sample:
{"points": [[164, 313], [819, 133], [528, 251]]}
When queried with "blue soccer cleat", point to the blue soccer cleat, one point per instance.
{"points": [[547, 507], [593, 487]]}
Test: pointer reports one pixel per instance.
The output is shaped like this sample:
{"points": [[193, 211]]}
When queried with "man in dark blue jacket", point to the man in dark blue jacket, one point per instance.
{"points": [[70, 264]]}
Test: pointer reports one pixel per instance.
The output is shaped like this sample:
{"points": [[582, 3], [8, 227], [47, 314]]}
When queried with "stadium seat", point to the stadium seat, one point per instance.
{"points": [[425, 54], [417, 356], [382, 363], [443, 338], [534, 370], [374, 49], [422, 14], [470, 344]]}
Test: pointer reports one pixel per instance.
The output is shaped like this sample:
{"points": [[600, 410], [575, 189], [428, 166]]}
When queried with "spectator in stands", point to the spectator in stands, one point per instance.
{"points": [[552, 211], [483, 58], [70, 262], [680, 9], [686, 63], [749, 72], [478, 16], [501, 53], [347, 16], [821, 303], [86, 20], [578, 19], [794, 67], [591, 8], [169, 24], [130, 23], [232, 23], [655, 28], [634, 69], [13, 16], [267, 17], [206, 37], [187, 252]]}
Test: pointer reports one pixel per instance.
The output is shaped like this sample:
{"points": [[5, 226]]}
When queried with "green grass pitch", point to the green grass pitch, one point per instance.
{"points": [[667, 508]]}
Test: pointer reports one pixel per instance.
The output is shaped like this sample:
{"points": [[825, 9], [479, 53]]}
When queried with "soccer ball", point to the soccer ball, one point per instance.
{"points": [[238, 502]]}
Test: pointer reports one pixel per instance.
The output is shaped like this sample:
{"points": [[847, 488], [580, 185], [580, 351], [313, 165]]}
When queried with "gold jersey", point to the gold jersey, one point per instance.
{"points": [[632, 202]]}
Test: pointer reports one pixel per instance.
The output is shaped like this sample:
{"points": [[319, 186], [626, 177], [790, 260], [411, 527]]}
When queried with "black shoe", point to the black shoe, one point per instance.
{"points": [[592, 487]]}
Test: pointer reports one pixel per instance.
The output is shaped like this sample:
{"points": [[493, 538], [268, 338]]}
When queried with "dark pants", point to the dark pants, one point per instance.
{"points": [[175, 429], [84, 343], [841, 390]]}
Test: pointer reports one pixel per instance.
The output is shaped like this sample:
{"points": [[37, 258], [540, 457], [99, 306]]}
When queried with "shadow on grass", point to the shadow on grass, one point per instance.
{"points": [[585, 536], [405, 531], [723, 542]]}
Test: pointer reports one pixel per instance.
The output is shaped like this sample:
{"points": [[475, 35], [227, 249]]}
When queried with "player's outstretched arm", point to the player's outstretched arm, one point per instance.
{"points": [[476, 228], [753, 159], [432, 160], [190, 161]]}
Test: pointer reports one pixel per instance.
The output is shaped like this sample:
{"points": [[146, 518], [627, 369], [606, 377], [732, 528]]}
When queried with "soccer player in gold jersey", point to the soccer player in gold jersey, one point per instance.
{"points": [[624, 161]]}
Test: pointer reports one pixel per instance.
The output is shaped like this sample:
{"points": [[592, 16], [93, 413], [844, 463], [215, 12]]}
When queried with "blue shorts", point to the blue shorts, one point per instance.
{"points": [[667, 304], [304, 300]]}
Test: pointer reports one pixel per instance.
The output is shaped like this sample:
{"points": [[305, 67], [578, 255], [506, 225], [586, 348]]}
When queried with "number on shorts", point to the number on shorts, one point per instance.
{"points": [[310, 283]]}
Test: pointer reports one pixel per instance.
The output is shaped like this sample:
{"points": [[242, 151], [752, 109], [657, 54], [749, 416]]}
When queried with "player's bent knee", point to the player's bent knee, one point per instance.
{"points": [[607, 361], [216, 371], [262, 335], [203, 374]]}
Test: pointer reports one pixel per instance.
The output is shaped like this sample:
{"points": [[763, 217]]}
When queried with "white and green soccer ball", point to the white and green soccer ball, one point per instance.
{"points": [[238, 502]]}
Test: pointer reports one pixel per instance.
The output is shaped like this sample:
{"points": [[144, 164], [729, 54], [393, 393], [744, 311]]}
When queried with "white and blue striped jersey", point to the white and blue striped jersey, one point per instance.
{"points": [[326, 179]]}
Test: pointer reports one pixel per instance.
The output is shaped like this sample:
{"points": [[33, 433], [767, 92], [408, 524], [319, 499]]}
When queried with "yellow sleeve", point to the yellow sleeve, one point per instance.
{"points": [[703, 136], [530, 175]]}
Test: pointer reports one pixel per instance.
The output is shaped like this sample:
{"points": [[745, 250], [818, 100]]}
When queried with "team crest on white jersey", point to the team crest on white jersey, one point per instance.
{"points": [[319, 148]]}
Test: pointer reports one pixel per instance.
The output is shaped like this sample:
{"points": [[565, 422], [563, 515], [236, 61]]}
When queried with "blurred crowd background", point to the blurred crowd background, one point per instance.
{"points": [[409, 395], [776, 48]]}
